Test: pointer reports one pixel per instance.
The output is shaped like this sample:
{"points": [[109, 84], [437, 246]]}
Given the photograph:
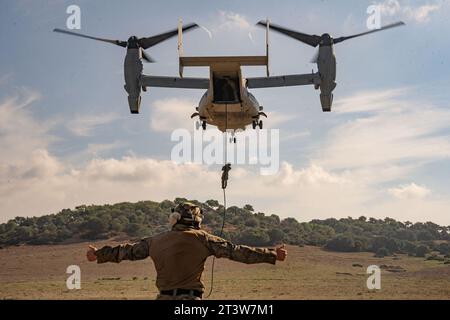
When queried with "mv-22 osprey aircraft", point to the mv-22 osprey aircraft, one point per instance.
{"points": [[227, 103]]}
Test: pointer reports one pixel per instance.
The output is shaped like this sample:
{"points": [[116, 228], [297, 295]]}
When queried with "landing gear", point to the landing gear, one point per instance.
{"points": [[204, 125], [254, 124], [260, 124], [197, 125]]}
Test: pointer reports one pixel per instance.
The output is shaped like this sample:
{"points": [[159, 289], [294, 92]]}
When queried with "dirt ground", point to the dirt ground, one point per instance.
{"points": [[39, 272]]}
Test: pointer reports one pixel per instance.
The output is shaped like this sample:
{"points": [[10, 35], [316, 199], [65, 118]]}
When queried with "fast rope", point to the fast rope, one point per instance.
{"points": [[224, 179]]}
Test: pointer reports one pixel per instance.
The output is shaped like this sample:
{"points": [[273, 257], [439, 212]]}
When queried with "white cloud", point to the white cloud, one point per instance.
{"points": [[97, 149], [229, 20], [19, 132], [295, 135], [306, 193], [410, 191], [39, 164], [396, 132], [275, 119], [84, 125], [368, 101], [311, 175], [390, 7], [418, 14], [35, 182], [172, 113], [292, 192], [422, 13]]}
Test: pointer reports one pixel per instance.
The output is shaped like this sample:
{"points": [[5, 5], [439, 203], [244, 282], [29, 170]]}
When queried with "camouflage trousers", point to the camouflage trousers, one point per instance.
{"points": [[177, 297]]}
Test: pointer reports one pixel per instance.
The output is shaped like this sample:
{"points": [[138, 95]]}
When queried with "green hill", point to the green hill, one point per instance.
{"points": [[243, 225]]}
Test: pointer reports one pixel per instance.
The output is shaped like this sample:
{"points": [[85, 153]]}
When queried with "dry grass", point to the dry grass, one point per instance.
{"points": [[38, 272]]}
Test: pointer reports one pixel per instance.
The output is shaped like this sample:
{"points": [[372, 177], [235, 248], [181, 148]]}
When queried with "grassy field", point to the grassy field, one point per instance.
{"points": [[39, 272]]}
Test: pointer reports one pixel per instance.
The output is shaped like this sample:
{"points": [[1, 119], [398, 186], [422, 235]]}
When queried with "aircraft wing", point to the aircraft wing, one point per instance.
{"points": [[284, 81], [175, 82]]}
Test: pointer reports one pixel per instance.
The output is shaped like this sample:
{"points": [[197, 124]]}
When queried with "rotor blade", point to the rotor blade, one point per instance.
{"points": [[117, 42], [315, 57], [154, 40], [146, 57], [392, 25], [312, 40]]}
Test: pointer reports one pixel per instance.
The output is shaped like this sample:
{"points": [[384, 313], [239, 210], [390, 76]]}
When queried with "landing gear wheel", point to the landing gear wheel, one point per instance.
{"points": [[260, 125], [254, 124], [204, 125], [234, 139], [197, 125]]}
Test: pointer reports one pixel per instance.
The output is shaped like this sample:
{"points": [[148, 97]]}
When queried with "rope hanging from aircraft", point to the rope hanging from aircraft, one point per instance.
{"points": [[224, 180]]}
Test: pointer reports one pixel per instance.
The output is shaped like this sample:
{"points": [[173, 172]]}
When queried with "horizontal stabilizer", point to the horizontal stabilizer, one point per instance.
{"points": [[284, 81], [174, 82], [208, 61]]}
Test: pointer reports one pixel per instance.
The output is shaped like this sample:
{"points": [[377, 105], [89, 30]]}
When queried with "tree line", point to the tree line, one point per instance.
{"points": [[243, 225]]}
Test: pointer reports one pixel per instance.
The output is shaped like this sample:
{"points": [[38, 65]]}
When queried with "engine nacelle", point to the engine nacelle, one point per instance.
{"points": [[132, 72], [135, 104], [326, 100]]}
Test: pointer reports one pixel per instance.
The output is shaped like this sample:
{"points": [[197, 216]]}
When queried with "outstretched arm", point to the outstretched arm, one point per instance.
{"points": [[135, 251], [222, 248]]}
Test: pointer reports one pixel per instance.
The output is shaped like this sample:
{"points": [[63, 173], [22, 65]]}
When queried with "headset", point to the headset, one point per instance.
{"points": [[193, 220]]}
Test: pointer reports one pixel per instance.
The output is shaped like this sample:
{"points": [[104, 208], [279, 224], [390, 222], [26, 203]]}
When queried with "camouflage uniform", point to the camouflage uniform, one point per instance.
{"points": [[180, 254]]}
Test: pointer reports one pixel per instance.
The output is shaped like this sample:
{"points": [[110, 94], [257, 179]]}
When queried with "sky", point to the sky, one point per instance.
{"points": [[67, 137]]}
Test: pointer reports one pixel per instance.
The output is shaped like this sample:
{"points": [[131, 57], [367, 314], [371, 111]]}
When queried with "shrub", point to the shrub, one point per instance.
{"points": [[254, 237], [135, 229], [382, 252], [252, 222], [443, 248], [343, 243], [435, 257], [276, 235], [421, 251], [96, 225], [145, 218], [213, 203]]}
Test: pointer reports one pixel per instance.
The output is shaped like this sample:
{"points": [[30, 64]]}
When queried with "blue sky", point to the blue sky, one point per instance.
{"points": [[67, 137]]}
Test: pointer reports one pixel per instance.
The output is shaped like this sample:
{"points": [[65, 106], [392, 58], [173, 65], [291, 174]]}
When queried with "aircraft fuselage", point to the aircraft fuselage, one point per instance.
{"points": [[227, 104]]}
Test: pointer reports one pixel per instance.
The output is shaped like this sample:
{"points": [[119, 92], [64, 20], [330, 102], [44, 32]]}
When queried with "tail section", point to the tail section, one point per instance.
{"points": [[267, 46], [180, 45]]}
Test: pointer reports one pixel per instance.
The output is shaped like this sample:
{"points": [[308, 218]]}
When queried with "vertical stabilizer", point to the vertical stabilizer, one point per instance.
{"points": [[267, 46], [180, 45]]}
